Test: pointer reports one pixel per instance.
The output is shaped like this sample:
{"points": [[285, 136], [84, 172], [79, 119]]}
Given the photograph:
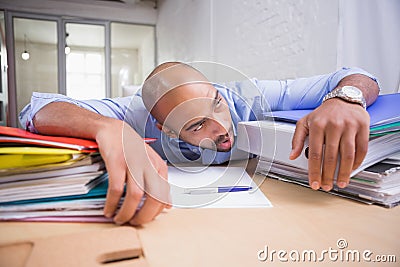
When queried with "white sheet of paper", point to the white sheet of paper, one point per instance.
{"points": [[194, 177]]}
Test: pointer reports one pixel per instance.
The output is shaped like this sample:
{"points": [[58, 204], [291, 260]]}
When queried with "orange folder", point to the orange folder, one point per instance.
{"points": [[15, 135]]}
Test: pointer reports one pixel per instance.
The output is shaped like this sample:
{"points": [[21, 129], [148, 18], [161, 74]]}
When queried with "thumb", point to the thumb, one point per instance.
{"points": [[298, 139]]}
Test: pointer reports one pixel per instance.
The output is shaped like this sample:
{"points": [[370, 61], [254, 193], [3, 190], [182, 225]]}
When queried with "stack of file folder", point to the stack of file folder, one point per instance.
{"points": [[376, 181], [49, 177]]}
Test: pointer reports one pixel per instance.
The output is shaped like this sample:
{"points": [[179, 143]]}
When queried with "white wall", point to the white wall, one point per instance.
{"points": [[283, 39], [184, 30], [276, 39], [265, 39], [370, 38]]}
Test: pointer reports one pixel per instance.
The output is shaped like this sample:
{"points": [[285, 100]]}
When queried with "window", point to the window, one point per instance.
{"points": [[85, 75], [105, 59], [85, 60], [38, 72]]}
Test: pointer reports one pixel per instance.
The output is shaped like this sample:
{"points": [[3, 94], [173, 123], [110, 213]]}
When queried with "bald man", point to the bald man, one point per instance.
{"points": [[195, 120]]}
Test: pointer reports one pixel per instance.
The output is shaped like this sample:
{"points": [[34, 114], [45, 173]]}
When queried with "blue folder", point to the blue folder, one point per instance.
{"points": [[384, 113], [99, 191]]}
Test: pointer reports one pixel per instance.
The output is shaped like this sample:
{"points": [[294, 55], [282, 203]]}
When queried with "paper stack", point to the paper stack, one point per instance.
{"points": [[43, 176], [377, 180], [377, 184]]}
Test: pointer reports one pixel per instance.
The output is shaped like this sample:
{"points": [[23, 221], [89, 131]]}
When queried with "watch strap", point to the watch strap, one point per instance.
{"points": [[338, 93]]}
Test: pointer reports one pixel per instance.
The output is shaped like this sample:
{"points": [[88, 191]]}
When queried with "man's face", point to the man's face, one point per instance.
{"points": [[199, 115]]}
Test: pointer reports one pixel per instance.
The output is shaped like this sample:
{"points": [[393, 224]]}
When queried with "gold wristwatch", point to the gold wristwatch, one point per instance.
{"points": [[349, 94]]}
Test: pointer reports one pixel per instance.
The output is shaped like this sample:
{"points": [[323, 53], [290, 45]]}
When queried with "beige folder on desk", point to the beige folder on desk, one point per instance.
{"points": [[119, 246]]}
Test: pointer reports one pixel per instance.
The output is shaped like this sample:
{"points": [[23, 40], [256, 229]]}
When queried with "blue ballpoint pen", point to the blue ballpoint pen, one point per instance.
{"points": [[213, 190]]}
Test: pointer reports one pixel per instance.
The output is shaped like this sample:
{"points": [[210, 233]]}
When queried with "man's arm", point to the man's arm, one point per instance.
{"points": [[341, 127], [303, 93], [132, 163]]}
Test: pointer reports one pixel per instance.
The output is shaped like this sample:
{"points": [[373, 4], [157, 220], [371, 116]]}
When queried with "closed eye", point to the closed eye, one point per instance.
{"points": [[218, 102], [199, 126]]}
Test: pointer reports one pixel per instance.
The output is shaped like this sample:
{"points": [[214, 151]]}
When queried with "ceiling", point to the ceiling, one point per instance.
{"points": [[85, 35]]}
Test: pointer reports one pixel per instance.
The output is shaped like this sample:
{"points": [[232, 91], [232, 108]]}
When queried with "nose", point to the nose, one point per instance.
{"points": [[221, 120], [218, 129]]}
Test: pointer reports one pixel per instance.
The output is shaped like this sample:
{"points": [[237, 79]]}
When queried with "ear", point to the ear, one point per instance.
{"points": [[166, 130]]}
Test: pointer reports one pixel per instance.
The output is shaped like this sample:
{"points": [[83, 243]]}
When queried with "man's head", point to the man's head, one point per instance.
{"points": [[188, 106]]}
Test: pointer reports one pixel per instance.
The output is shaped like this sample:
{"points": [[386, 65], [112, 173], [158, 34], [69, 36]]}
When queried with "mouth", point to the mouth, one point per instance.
{"points": [[225, 144]]}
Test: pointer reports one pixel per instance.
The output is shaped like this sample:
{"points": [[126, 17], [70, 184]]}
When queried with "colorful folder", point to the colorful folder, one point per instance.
{"points": [[384, 114]]}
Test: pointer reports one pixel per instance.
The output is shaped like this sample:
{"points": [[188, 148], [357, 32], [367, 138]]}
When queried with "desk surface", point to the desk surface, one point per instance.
{"points": [[301, 219]]}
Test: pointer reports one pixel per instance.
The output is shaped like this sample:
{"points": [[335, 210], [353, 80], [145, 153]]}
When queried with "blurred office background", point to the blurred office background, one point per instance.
{"points": [[106, 48]]}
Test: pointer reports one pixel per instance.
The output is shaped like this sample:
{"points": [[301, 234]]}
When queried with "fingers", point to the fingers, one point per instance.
{"points": [[157, 191], [330, 158], [347, 152], [353, 148], [156, 182], [133, 197], [150, 186], [133, 167], [150, 209], [345, 134], [362, 139], [298, 139], [116, 183], [316, 141], [157, 194]]}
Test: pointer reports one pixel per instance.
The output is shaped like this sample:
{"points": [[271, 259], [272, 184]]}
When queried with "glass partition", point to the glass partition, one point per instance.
{"points": [[132, 57], [80, 58], [36, 67], [85, 59]]}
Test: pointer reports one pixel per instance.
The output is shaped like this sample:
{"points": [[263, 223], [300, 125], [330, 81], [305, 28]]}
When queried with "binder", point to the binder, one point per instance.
{"points": [[19, 136], [384, 114], [378, 184], [272, 141], [14, 157]]}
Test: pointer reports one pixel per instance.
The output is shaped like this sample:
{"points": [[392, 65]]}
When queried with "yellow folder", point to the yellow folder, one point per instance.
{"points": [[13, 157]]}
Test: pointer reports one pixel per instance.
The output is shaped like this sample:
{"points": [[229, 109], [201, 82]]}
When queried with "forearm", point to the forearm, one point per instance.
{"points": [[308, 93], [368, 86], [62, 118], [146, 170]]}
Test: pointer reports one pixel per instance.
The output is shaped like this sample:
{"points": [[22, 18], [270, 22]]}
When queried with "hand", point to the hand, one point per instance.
{"points": [[343, 128], [131, 162]]}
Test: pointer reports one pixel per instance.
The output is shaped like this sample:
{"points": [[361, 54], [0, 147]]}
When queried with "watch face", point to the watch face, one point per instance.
{"points": [[352, 91]]}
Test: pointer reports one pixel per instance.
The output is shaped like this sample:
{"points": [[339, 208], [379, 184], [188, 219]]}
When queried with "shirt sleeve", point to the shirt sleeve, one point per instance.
{"points": [[114, 108], [303, 93]]}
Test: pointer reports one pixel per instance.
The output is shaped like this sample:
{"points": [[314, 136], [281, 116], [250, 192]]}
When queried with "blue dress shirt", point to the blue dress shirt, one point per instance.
{"points": [[247, 101]]}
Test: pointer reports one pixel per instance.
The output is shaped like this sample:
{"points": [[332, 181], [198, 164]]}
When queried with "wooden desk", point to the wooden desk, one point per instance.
{"points": [[301, 219]]}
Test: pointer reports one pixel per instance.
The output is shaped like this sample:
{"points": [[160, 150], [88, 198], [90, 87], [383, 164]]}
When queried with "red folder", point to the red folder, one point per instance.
{"points": [[15, 135]]}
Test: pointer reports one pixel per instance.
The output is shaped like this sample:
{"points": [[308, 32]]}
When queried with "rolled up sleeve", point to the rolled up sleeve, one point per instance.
{"points": [[304, 93], [114, 108]]}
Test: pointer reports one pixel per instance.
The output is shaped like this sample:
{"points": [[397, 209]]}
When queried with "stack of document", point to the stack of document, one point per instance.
{"points": [[49, 176], [377, 184], [375, 181]]}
